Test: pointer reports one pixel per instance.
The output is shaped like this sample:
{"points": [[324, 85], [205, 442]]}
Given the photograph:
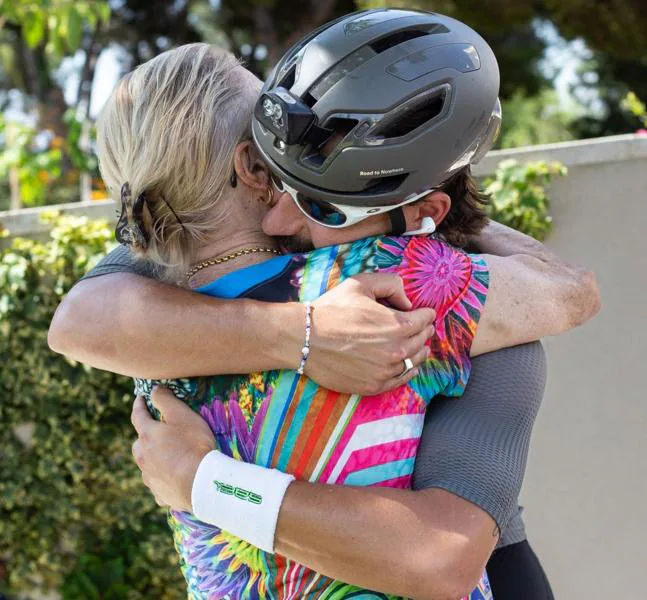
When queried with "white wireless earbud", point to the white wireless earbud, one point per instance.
{"points": [[427, 226]]}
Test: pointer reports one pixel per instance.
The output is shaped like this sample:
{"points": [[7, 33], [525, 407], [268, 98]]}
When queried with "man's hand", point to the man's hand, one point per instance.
{"points": [[359, 345], [169, 452]]}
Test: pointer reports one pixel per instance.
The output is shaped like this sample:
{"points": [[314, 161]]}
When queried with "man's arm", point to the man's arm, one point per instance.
{"points": [[112, 321], [532, 292], [427, 544], [476, 447]]}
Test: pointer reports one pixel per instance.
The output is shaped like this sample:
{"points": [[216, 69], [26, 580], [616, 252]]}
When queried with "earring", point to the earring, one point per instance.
{"points": [[270, 195]]}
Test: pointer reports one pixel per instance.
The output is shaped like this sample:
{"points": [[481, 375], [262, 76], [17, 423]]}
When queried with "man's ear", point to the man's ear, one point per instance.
{"points": [[435, 205], [249, 166]]}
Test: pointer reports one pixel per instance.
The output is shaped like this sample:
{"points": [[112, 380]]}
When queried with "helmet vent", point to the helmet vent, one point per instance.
{"points": [[384, 185], [288, 79], [399, 37], [337, 125], [411, 118], [309, 100]]}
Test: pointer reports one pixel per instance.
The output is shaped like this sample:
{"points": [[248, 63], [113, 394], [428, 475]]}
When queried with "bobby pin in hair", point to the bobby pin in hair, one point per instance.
{"points": [[174, 213]]}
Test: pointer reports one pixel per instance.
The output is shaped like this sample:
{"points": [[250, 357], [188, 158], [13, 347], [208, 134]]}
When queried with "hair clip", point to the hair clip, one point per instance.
{"points": [[130, 226]]}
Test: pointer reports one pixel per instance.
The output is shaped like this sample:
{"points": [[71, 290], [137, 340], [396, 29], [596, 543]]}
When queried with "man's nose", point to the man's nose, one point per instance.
{"points": [[284, 218]]}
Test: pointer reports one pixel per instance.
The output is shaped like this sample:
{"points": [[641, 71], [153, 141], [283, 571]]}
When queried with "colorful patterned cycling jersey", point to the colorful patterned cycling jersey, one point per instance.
{"points": [[282, 420]]}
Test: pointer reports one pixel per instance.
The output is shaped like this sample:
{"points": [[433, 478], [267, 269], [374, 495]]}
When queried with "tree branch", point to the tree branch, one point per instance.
{"points": [[84, 90]]}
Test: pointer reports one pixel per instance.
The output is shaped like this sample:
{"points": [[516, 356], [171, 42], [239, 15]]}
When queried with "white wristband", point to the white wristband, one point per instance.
{"points": [[241, 498]]}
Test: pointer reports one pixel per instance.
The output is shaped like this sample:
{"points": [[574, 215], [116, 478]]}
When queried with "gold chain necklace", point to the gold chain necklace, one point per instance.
{"points": [[224, 259]]}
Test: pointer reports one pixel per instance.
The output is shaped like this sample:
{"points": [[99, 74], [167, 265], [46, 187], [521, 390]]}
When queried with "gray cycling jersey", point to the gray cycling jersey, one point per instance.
{"points": [[475, 446]]}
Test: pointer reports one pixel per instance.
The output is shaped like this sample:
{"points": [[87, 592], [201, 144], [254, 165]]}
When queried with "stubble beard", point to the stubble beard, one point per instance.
{"points": [[294, 244]]}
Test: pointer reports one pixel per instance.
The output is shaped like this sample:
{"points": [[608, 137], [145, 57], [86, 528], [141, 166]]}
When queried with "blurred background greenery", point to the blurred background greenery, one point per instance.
{"points": [[74, 517], [567, 66]]}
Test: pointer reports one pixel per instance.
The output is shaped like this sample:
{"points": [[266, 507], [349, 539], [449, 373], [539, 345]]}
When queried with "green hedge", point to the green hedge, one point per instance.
{"points": [[74, 515], [519, 197]]}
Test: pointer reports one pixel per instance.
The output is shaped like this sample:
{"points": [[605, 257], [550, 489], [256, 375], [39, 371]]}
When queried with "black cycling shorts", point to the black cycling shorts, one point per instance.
{"points": [[515, 573]]}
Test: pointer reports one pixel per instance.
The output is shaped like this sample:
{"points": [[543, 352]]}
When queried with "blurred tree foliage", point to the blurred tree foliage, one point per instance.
{"points": [[531, 120], [636, 107], [36, 34], [616, 27], [35, 169], [606, 80], [616, 32], [35, 37]]}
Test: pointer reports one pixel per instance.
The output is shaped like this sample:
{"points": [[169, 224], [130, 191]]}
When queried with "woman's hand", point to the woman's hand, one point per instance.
{"points": [[358, 345], [169, 452]]}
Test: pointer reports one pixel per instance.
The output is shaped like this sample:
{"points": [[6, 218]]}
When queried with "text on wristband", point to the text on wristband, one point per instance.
{"points": [[240, 493]]}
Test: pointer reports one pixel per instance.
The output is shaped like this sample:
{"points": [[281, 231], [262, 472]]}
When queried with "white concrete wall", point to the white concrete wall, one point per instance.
{"points": [[586, 486], [26, 221]]}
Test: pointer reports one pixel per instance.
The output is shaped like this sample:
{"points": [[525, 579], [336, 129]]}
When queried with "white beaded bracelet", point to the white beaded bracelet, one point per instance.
{"points": [[305, 351]]}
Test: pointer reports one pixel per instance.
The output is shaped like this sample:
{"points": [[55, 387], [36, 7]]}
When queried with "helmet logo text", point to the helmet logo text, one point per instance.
{"points": [[381, 172]]}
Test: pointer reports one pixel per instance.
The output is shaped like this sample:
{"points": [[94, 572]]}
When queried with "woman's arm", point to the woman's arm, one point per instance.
{"points": [[432, 543], [129, 324], [428, 544]]}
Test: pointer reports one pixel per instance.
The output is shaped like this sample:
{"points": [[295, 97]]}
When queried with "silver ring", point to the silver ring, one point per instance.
{"points": [[408, 365]]}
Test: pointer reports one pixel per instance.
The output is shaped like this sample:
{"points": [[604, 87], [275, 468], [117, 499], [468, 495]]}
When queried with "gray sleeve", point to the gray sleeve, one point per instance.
{"points": [[121, 260], [477, 446]]}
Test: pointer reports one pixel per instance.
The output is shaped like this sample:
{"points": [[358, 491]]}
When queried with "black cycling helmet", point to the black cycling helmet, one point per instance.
{"points": [[416, 94]]}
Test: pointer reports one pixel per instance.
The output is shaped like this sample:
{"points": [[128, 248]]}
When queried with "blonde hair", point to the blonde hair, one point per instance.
{"points": [[169, 130]]}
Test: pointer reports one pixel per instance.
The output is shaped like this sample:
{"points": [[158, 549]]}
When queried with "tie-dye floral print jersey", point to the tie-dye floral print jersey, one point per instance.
{"points": [[283, 420]]}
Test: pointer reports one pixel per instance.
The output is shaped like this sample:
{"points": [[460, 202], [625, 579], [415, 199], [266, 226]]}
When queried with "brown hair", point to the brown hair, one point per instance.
{"points": [[467, 215]]}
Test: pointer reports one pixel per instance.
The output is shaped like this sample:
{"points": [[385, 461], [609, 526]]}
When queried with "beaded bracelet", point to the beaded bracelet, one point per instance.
{"points": [[305, 351]]}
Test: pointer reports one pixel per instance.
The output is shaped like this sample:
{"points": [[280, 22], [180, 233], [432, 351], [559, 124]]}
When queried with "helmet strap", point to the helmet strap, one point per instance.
{"points": [[398, 222]]}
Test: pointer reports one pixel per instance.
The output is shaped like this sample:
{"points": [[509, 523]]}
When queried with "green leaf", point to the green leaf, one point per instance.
{"points": [[59, 42], [103, 10], [81, 587], [33, 28], [519, 197], [75, 29]]}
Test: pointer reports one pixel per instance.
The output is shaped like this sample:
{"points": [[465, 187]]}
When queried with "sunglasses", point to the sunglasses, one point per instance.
{"points": [[333, 215]]}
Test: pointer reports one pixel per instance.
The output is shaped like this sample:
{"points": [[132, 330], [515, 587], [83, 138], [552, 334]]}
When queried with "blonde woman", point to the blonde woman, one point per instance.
{"points": [[174, 143]]}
